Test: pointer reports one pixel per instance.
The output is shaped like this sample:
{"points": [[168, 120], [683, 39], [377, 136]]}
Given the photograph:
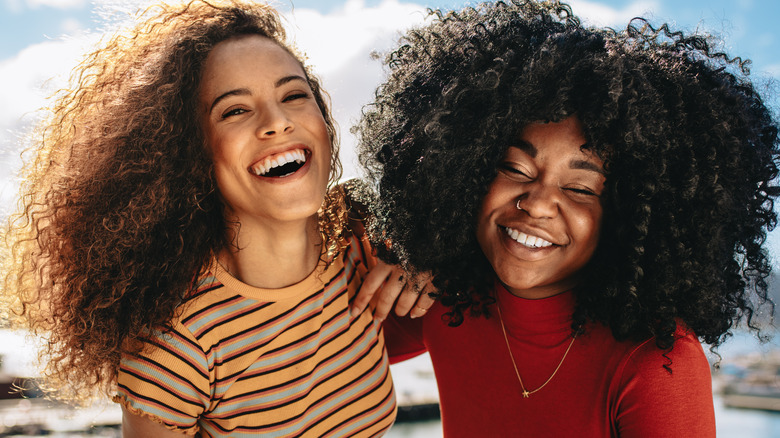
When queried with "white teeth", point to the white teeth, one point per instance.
{"points": [[527, 239], [269, 163]]}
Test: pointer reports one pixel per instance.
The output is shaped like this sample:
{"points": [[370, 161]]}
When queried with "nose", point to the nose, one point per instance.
{"points": [[273, 121], [540, 201]]}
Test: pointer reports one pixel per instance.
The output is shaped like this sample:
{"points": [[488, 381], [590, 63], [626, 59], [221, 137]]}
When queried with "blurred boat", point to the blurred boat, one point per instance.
{"points": [[415, 390], [751, 381], [24, 410]]}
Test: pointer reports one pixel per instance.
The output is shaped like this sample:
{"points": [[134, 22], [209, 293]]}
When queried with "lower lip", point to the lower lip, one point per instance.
{"points": [[298, 174]]}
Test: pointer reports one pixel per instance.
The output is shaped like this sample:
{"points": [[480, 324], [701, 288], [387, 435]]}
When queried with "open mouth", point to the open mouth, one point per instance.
{"points": [[281, 165], [527, 239]]}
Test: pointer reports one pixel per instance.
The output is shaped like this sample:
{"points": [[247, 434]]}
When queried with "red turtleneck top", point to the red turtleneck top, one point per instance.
{"points": [[604, 388]]}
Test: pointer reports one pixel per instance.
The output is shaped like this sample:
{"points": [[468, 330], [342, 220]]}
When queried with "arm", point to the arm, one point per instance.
{"points": [[165, 386], [403, 338], [655, 403], [386, 284], [138, 426]]}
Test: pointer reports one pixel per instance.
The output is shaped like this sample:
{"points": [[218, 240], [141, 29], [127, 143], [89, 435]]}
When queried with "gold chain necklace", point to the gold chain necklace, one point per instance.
{"points": [[527, 393]]}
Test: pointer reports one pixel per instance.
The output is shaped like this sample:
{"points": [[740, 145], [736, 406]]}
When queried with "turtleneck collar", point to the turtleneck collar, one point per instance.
{"points": [[546, 315]]}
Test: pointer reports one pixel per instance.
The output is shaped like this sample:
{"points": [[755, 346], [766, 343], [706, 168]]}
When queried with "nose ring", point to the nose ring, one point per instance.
{"points": [[518, 205]]}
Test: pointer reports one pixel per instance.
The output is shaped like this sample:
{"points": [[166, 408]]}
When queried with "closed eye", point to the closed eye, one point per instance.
{"points": [[583, 191], [295, 96], [513, 171], [233, 112]]}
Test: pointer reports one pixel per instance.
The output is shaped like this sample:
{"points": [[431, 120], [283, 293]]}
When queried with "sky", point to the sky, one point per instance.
{"points": [[41, 40]]}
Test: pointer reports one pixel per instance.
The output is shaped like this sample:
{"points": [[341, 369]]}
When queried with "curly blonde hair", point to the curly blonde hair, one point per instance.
{"points": [[120, 211]]}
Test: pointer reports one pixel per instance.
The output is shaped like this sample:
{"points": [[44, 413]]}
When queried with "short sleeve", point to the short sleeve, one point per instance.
{"points": [[664, 394], [168, 381]]}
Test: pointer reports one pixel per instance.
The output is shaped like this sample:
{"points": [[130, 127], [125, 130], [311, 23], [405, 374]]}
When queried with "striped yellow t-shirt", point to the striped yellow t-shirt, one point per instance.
{"points": [[243, 361]]}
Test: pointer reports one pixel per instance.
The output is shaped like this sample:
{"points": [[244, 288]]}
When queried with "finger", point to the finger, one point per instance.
{"points": [[406, 300], [424, 303], [371, 284], [390, 290], [411, 293]]}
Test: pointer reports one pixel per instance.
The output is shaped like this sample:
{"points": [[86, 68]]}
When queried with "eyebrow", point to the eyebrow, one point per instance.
{"points": [[531, 150], [247, 92]]}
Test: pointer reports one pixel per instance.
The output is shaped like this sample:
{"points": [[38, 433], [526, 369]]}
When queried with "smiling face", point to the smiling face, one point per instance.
{"points": [[537, 249], [265, 132]]}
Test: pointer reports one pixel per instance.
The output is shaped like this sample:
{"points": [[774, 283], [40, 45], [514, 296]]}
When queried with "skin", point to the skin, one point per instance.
{"points": [[557, 186], [256, 105], [389, 288], [136, 426]]}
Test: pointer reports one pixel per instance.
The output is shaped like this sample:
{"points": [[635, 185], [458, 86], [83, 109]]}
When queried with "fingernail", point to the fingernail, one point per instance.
{"points": [[354, 312]]}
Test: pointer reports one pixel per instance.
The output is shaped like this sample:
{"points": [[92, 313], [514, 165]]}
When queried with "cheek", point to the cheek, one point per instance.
{"points": [[588, 228], [486, 218], [314, 120], [225, 147], [499, 194], [482, 227], [214, 147], [221, 159], [483, 215]]}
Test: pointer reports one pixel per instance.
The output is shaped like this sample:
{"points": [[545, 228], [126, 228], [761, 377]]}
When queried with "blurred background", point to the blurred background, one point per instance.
{"points": [[41, 40]]}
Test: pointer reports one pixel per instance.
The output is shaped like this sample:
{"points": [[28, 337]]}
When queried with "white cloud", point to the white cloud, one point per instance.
{"points": [[332, 40], [746, 4], [773, 70], [59, 4], [338, 46], [597, 14], [14, 6], [33, 74], [71, 26]]}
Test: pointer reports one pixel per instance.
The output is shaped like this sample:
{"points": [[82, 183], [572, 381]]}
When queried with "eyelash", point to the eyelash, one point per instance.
{"points": [[512, 169], [296, 96], [233, 112], [580, 191], [583, 192], [237, 111]]}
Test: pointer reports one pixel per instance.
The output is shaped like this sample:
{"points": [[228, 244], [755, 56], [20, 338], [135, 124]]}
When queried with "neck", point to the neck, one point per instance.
{"points": [[541, 292], [273, 256]]}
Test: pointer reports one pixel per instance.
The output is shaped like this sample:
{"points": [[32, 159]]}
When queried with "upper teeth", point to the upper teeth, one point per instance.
{"points": [[527, 239], [262, 167]]}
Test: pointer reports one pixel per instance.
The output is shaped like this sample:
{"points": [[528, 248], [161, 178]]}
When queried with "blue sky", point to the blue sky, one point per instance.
{"points": [[748, 25], [42, 39]]}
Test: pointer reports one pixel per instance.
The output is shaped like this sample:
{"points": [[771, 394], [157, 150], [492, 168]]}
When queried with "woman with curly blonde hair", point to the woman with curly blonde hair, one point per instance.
{"points": [[178, 246]]}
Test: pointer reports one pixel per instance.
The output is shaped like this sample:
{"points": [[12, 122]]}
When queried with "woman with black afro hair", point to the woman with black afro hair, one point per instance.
{"points": [[592, 204]]}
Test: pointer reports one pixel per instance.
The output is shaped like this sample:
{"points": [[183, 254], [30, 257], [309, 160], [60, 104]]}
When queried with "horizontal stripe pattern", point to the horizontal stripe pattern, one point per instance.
{"points": [[235, 365]]}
